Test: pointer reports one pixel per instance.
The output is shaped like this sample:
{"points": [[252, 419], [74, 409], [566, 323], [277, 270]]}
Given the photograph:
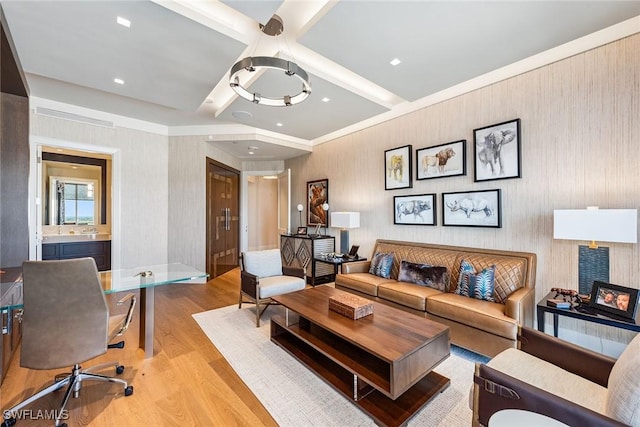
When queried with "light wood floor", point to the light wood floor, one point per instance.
{"points": [[186, 383]]}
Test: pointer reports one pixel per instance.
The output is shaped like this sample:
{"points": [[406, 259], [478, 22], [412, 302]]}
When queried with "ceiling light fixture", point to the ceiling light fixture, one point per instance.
{"points": [[124, 22], [279, 124], [325, 99], [119, 81], [395, 61], [251, 64]]}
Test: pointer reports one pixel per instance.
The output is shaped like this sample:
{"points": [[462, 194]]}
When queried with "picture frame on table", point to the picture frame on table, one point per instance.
{"points": [[415, 209], [440, 161], [317, 195], [397, 167], [614, 299], [497, 151], [481, 208], [301, 231]]}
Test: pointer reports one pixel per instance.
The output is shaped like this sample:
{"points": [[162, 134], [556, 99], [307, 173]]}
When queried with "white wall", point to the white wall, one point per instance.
{"points": [[580, 122]]}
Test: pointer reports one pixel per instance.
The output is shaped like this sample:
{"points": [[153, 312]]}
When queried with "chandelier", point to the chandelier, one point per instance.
{"points": [[251, 64]]}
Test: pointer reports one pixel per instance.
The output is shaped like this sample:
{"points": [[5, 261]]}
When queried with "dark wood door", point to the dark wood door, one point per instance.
{"points": [[223, 218]]}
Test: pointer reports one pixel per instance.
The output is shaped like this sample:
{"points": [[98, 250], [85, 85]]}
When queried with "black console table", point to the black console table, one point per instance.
{"points": [[579, 311], [333, 261]]}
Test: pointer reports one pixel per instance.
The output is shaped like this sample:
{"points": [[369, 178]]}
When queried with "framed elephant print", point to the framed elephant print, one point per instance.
{"points": [[472, 209], [397, 168], [497, 151]]}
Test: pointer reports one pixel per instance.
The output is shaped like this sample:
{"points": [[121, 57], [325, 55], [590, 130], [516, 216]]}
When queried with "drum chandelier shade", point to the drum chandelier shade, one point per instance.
{"points": [[251, 64]]}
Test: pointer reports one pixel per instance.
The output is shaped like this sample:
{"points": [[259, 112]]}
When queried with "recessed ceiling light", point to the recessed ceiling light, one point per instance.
{"points": [[279, 124], [119, 81], [251, 148], [325, 99], [395, 61], [250, 152], [124, 22]]}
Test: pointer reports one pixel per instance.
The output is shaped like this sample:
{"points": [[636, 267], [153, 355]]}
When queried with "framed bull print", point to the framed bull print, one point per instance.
{"points": [[397, 168], [317, 197], [497, 151], [415, 209], [442, 160], [472, 209]]}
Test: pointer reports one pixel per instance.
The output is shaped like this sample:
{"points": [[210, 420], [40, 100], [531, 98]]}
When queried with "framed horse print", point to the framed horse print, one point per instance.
{"points": [[397, 168]]}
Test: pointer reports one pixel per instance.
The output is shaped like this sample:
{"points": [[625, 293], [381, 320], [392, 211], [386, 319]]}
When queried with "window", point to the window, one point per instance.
{"points": [[79, 204]]}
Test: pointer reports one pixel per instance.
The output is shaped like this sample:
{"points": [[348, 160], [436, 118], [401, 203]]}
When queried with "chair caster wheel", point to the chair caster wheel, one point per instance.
{"points": [[8, 422], [119, 369], [128, 391]]}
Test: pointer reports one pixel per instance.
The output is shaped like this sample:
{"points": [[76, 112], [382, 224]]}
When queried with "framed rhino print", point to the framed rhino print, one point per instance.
{"points": [[442, 160], [472, 209], [397, 168], [417, 209], [497, 151]]}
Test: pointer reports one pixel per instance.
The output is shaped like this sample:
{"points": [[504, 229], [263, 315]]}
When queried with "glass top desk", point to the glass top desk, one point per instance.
{"points": [[117, 281]]}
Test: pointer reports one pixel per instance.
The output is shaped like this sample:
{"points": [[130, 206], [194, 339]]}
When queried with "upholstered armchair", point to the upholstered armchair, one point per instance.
{"points": [[262, 276], [561, 380]]}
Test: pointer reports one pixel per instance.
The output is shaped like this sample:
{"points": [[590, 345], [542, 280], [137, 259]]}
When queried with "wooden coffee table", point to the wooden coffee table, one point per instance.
{"points": [[382, 363]]}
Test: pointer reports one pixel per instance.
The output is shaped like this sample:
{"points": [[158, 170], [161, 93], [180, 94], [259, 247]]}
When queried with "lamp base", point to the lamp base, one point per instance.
{"points": [[593, 264], [344, 241]]}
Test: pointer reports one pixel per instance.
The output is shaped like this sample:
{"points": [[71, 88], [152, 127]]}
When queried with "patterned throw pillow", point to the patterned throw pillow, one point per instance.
{"points": [[381, 264], [476, 285], [424, 275]]}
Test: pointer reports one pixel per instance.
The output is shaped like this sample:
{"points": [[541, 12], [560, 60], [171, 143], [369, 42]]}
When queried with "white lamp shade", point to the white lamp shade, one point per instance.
{"points": [[600, 225], [345, 220]]}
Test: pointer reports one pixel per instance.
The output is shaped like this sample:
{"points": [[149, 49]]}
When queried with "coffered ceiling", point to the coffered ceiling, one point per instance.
{"points": [[175, 57]]}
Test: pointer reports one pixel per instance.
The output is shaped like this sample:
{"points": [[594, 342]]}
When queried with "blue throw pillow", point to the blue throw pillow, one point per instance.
{"points": [[476, 285], [381, 264]]}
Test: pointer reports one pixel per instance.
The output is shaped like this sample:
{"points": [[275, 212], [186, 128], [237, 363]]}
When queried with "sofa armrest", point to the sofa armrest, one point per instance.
{"points": [[248, 283], [494, 391], [293, 271], [580, 361], [356, 267], [520, 306]]}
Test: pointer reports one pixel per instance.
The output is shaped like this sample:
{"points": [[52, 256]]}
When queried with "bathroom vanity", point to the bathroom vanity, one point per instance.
{"points": [[96, 246]]}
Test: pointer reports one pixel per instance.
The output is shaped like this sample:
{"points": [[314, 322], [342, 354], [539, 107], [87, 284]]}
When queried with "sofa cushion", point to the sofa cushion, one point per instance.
{"points": [[424, 275], [361, 282], [484, 315], [546, 376], [381, 264], [407, 294], [623, 395], [476, 285]]}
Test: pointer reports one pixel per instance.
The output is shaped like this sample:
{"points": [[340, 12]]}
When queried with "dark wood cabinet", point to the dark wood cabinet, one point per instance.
{"points": [[299, 251], [99, 250]]}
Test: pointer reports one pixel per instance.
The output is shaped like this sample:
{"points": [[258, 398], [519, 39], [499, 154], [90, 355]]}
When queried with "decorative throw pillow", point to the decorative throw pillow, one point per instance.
{"points": [[381, 264], [476, 285], [623, 388], [424, 275]]}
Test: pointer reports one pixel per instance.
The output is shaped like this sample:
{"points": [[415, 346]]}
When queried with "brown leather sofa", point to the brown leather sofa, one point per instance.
{"points": [[482, 326], [563, 381]]}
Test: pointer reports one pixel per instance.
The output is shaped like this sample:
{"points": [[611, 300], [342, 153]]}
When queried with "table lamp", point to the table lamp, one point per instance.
{"points": [[345, 221], [593, 224], [300, 209]]}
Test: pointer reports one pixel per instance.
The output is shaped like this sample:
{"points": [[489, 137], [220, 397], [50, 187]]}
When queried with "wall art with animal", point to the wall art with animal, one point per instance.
{"points": [[397, 168], [442, 160], [419, 209], [472, 209], [317, 195], [497, 151]]}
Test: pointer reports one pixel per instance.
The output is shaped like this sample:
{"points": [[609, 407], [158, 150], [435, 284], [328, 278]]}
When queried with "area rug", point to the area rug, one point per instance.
{"points": [[295, 396]]}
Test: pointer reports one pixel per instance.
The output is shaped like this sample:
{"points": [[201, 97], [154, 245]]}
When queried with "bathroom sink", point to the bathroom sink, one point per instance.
{"points": [[64, 238]]}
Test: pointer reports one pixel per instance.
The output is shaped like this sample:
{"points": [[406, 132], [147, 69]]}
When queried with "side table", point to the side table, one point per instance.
{"points": [[579, 311], [336, 262]]}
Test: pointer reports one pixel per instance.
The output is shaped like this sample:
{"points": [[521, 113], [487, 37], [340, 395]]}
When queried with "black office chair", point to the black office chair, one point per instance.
{"points": [[66, 322]]}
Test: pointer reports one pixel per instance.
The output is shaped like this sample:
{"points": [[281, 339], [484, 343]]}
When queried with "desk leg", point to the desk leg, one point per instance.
{"points": [[555, 325], [147, 301]]}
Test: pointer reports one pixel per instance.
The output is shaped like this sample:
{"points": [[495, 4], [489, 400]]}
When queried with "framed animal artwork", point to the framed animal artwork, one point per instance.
{"points": [[472, 209], [397, 167], [497, 151], [317, 195], [443, 160], [417, 209]]}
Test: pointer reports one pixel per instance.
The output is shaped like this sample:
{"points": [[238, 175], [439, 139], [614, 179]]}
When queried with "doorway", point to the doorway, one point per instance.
{"points": [[223, 219]]}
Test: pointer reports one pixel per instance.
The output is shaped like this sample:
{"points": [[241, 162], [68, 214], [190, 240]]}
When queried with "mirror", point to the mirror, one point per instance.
{"points": [[75, 190]]}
